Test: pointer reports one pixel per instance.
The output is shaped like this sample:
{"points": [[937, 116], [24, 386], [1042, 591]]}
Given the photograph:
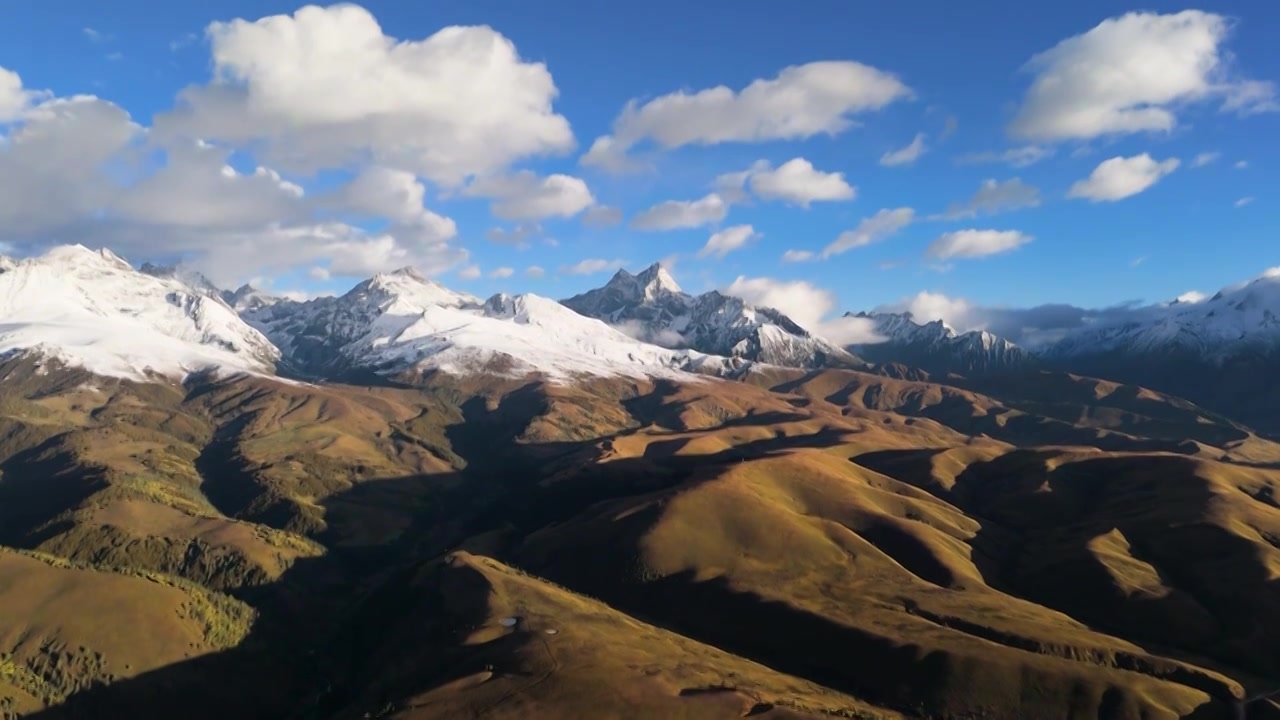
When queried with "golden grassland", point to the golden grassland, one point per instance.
{"points": [[800, 544]]}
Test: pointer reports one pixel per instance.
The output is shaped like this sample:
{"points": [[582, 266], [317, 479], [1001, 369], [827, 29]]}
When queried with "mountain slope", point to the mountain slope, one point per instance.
{"points": [[92, 309], [401, 321], [937, 348], [652, 307]]}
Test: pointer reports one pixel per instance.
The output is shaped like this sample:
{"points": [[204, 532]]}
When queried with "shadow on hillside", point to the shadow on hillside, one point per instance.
{"points": [[350, 633]]}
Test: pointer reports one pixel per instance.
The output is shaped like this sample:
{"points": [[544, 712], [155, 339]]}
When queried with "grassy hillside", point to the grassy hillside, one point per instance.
{"points": [[797, 545]]}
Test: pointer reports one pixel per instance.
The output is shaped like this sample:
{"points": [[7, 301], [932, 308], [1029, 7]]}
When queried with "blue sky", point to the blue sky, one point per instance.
{"points": [[963, 65]]}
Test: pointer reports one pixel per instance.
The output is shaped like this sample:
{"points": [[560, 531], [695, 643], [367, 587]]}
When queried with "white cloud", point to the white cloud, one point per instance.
{"points": [[592, 266], [398, 196], [905, 155], [796, 181], [871, 230], [795, 256], [502, 272], [535, 271], [1271, 272], [976, 243], [78, 169], [1129, 73], [325, 87], [525, 196], [50, 180], [1205, 158], [319, 273], [1018, 157], [470, 272], [517, 237], [806, 304], [1244, 201], [1192, 296], [802, 101], [13, 98], [648, 333], [680, 214], [797, 299], [1122, 177], [1241, 164], [602, 216], [995, 197], [728, 240]]}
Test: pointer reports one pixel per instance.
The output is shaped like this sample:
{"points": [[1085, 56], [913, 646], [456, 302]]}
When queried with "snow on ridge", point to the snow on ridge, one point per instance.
{"points": [[92, 309]]}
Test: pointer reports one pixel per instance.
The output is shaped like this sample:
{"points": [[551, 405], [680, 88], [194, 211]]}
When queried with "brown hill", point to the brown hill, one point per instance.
{"points": [[802, 543]]}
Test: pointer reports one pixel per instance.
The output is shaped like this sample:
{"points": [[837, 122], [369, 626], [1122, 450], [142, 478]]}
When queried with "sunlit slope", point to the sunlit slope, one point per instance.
{"points": [[563, 655], [67, 627]]}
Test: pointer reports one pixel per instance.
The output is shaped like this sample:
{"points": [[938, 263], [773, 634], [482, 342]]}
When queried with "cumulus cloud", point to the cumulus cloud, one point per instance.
{"points": [[1205, 158], [399, 197], [801, 301], [1130, 73], [905, 155], [592, 266], [795, 256], [218, 181], [325, 87], [995, 197], [1122, 177], [1018, 157], [728, 240], [871, 230], [976, 243], [801, 101], [806, 304], [1192, 297], [470, 272], [502, 272], [535, 271], [14, 98], [601, 216], [646, 332], [796, 182], [525, 196], [682, 214]]}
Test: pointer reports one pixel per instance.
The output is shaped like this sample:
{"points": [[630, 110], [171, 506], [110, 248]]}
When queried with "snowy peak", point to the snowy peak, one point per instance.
{"points": [[937, 347], [195, 280], [410, 288], [247, 298], [400, 322], [1240, 320], [92, 309], [650, 306]]}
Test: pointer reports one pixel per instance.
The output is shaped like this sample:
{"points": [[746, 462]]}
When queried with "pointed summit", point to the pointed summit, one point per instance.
{"points": [[655, 279]]}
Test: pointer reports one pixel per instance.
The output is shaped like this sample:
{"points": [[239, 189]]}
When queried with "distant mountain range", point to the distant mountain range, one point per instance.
{"points": [[651, 307], [93, 309]]}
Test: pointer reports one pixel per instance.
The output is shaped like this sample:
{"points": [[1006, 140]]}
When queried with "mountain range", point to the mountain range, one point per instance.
{"points": [[638, 325], [410, 502]]}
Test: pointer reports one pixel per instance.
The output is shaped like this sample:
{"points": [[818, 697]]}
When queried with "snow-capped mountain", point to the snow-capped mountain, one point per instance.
{"points": [[244, 299], [937, 348], [401, 321], [1244, 319], [92, 309], [650, 306], [247, 298]]}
